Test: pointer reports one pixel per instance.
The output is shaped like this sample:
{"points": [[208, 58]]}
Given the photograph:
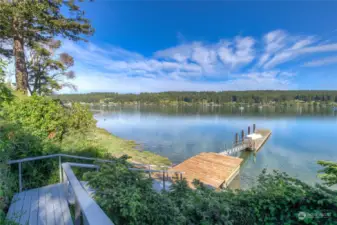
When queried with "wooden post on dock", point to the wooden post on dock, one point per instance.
{"points": [[254, 127], [248, 130], [242, 135]]}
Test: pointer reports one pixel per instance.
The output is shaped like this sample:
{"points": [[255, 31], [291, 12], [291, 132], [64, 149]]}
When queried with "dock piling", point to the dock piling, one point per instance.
{"points": [[242, 135], [254, 128], [248, 130]]}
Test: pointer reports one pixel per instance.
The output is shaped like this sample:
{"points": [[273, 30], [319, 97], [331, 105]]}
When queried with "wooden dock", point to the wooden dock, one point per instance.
{"points": [[210, 168], [217, 170]]}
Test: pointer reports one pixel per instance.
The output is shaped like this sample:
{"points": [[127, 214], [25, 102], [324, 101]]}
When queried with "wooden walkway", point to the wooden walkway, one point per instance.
{"points": [[260, 142], [219, 169], [210, 168], [42, 206], [252, 145]]}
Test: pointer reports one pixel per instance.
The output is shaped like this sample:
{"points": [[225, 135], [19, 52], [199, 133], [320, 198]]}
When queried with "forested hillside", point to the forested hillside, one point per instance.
{"points": [[205, 97]]}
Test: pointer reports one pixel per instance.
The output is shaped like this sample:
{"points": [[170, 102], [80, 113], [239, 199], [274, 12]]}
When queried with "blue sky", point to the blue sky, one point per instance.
{"points": [[152, 46]]}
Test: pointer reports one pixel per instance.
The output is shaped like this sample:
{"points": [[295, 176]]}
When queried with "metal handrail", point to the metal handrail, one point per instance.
{"points": [[20, 161], [84, 204], [69, 156]]}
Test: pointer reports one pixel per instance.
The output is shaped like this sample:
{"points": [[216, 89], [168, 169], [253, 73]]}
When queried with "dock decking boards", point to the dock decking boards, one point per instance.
{"points": [[260, 142], [41, 206], [210, 168]]}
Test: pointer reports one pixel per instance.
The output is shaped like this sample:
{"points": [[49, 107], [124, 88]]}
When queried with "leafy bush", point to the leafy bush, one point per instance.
{"points": [[45, 117], [329, 173], [80, 118], [17, 144], [40, 116], [35, 126], [127, 197], [6, 183]]}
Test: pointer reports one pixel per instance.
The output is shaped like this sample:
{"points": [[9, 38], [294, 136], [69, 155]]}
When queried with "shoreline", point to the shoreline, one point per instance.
{"points": [[105, 142]]}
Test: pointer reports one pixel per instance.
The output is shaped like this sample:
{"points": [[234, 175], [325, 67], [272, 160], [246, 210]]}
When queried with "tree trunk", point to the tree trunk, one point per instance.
{"points": [[21, 74]]}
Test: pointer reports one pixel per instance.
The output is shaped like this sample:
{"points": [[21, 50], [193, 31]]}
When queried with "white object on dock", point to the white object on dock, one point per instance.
{"points": [[254, 136]]}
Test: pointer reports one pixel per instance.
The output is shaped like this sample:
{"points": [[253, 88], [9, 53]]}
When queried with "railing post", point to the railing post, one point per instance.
{"points": [[60, 169], [66, 189], [20, 177], [149, 171], [243, 135], [164, 180], [77, 213]]}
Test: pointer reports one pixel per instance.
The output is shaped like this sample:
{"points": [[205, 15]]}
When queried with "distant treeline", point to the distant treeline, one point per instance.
{"points": [[204, 97]]}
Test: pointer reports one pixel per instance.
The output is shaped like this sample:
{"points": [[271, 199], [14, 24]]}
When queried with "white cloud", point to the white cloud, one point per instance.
{"points": [[293, 47], [273, 41], [239, 53], [236, 64], [321, 62], [91, 81]]}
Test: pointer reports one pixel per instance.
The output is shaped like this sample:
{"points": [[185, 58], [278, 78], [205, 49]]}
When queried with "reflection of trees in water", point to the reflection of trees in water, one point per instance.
{"points": [[267, 111]]}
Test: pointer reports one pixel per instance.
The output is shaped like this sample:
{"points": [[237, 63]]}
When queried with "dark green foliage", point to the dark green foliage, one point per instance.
{"points": [[276, 199], [18, 143], [329, 173], [7, 184], [257, 97], [128, 198], [5, 92], [40, 21]]}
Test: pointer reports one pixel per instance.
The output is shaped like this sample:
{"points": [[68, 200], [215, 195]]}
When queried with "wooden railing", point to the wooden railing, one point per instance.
{"points": [[87, 211]]}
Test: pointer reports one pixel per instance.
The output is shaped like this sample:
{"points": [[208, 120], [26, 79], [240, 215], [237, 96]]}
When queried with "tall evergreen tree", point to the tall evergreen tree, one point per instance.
{"points": [[26, 23]]}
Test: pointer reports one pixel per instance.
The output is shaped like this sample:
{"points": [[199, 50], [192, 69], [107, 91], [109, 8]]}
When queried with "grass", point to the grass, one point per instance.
{"points": [[98, 142]]}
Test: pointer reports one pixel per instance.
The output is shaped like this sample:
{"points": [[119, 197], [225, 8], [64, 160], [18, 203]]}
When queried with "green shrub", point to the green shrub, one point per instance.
{"points": [[17, 144], [127, 197], [329, 173], [35, 126], [40, 116], [80, 118], [47, 118]]}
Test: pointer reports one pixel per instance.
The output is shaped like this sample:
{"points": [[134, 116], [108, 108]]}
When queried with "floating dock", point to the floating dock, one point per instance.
{"points": [[217, 170], [258, 143]]}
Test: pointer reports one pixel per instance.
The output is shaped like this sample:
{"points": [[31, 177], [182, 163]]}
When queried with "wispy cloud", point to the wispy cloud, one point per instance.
{"points": [[321, 62], [241, 62]]}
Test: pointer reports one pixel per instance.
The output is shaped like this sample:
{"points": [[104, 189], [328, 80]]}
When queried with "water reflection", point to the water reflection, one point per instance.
{"points": [[301, 135]]}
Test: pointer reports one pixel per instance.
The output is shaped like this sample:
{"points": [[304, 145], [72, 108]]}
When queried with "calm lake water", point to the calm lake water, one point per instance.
{"points": [[300, 135]]}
